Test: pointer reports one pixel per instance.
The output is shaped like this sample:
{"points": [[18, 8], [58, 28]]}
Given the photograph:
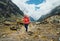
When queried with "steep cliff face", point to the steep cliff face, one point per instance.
{"points": [[8, 8]]}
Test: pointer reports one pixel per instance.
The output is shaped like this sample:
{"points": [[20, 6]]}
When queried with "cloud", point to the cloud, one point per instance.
{"points": [[44, 8]]}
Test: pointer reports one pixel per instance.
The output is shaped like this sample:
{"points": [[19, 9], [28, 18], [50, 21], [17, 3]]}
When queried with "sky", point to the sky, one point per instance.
{"points": [[36, 8], [36, 2]]}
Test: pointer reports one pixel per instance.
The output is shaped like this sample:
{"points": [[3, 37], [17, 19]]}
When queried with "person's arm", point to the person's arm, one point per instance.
{"points": [[22, 19]]}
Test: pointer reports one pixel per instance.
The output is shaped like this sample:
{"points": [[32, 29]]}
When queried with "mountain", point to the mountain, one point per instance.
{"points": [[55, 11], [31, 19], [8, 8]]}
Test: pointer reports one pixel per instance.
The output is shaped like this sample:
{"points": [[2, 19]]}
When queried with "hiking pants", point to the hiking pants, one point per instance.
{"points": [[26, 27]]}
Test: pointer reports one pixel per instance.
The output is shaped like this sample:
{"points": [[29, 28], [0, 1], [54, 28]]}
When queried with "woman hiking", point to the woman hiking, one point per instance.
{"points": [[26, 21]]}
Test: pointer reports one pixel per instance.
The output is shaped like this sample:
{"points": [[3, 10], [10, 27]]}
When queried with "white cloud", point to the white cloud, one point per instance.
{"points": [[30, 9]]}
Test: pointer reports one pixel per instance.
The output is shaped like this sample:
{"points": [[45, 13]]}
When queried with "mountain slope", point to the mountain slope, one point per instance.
{"points": [[7, 8], [55, 11]]}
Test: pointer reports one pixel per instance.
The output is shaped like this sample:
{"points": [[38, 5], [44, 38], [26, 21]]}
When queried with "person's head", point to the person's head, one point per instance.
{"points": [[26, 15]]}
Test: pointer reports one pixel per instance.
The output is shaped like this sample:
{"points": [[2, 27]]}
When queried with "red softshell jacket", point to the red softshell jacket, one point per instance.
{"points": [[26, 20]]}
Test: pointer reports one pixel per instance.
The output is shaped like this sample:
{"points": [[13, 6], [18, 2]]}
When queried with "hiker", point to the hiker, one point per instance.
{"points": [[26, 22]]}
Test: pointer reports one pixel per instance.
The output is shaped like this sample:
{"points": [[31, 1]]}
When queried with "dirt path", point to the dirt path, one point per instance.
{"points": [[40, 32]]}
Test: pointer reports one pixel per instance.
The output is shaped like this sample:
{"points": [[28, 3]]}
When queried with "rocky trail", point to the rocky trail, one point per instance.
{"points": [[45, 31]]}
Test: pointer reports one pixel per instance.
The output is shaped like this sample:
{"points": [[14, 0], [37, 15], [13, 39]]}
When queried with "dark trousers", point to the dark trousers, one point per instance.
{"points": [[26, 27]]}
